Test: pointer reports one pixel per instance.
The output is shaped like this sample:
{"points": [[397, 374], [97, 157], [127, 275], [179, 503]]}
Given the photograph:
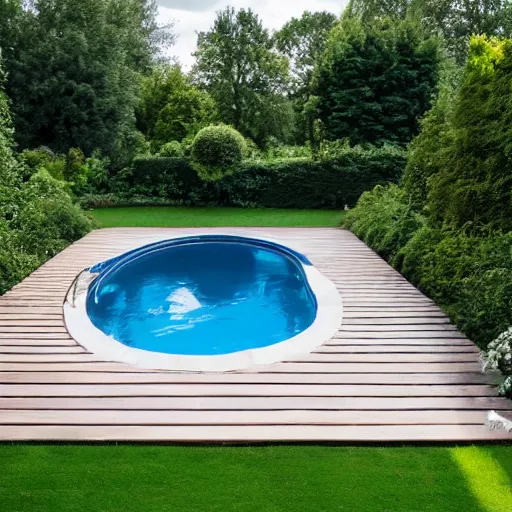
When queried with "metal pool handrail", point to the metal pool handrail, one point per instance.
{"points": [[72, 288]]}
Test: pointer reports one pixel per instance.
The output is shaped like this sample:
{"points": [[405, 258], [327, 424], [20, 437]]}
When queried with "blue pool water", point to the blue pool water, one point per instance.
{"points": [[202, 296]]}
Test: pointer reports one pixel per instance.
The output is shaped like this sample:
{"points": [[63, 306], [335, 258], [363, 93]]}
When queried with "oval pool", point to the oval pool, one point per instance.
{"points": [[205, 303]]}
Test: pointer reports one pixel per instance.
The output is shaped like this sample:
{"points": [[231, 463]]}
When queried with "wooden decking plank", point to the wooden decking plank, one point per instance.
{"points": [[266, 403], [302, 367], [292, 417], [396, 370], [247, 390], [253, 433], [130, 377]]}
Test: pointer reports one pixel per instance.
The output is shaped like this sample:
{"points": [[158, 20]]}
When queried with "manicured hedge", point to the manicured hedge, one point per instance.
{"points": [[301, 183]]}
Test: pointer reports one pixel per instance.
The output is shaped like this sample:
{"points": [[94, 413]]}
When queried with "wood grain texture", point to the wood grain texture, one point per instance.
{"points": [[397, 369]]}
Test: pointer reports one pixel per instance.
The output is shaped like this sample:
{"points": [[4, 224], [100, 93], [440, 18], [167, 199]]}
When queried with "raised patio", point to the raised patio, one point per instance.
{"points": [[397, 370]]}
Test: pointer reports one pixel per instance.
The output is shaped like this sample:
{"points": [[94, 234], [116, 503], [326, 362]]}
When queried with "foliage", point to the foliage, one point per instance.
{"points": [[375, 82], [72, 75], [238, 65], [42, 221], [303, 40], [499, 357], [456, 21], [216, 151], [171, 108], [171, 180], [301, 183], [428, 151], [474, 183], [171, 149], [384, 220], [281, 152], [37, 217]]}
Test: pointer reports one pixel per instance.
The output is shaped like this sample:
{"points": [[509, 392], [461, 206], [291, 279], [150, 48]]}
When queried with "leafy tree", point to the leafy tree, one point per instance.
{"points": [[237, 64], [303, 40], [72, 75], [375, 82], [171, 108], [456, 20]]}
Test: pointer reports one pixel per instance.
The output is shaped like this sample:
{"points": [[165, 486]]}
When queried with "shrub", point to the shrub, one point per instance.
{"points": [[171, 179], [216, 151], [171, 149], [48, 226], [385, 220], [499, 356], [35, 159], [282, 152], [98, 180], [42, 158], [291, 183], [91, 201], [14, 264]]}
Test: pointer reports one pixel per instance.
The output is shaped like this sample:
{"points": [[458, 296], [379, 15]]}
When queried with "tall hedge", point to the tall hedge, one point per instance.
{"points": [[474, 181], [301, 183]]}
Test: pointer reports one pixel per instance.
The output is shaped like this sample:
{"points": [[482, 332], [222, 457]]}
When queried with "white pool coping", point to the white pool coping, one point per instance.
{"points": [[327, 322]]}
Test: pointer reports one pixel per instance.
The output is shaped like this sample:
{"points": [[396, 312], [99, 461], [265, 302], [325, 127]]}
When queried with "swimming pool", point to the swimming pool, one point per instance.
{"points": [[204, 303]]}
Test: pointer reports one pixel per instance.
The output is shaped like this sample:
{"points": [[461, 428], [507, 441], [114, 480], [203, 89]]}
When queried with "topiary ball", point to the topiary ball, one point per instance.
{"points": [[216, 151]]}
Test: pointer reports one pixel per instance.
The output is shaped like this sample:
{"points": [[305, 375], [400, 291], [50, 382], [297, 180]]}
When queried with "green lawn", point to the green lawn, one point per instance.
{"points": [[163, 216], [272, 478]]}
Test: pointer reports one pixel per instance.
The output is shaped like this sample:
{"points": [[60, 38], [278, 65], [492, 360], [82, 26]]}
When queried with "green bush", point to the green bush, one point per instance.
{"points": [[15, 265], [42, 158], [385, 220], [172, 179], [292, 183], [499, 357], [171, 149], [217, 151], [46, 227], [92, 201], [283, 152]]}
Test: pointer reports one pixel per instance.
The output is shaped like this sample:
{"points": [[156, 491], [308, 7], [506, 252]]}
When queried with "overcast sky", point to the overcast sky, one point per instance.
{"points": [[198, 15]]}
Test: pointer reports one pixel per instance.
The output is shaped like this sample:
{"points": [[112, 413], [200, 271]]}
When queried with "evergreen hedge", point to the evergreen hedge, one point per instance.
{"points": [[303, 183]]}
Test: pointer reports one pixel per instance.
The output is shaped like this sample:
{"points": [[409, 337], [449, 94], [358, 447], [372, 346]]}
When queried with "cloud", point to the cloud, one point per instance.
{"points": [[188, 5], [192, 16]]}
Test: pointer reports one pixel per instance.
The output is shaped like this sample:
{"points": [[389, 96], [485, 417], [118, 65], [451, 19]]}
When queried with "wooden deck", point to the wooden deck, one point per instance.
{"points": [[397, 370]]}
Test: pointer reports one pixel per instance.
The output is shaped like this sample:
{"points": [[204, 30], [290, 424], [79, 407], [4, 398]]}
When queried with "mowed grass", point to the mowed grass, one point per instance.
{"points": [[213, 217], [244, 479]]}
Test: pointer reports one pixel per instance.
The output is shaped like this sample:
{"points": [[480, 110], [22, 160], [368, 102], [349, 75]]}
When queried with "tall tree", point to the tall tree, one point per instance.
{"points": [[456, 20], [237, 64], [171, 108], [375, 82], [303, 41], [73, 73]]}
